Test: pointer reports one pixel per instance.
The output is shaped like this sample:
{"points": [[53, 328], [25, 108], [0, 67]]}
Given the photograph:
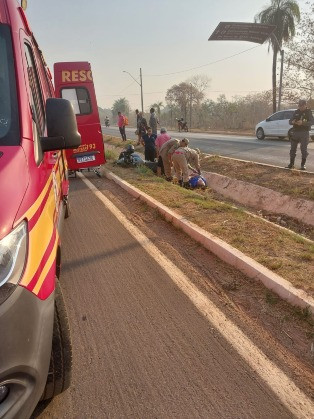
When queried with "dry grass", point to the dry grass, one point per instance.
{"points": [[289, 182], [283, 252]]}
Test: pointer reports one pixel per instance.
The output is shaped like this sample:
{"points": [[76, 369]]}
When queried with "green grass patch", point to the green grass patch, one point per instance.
{"points": [[111, 154]]}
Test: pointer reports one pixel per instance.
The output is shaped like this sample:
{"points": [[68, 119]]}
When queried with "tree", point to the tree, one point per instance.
{"points": [[182, 95], [299, 70], [283, 14], [121, 105], [200, 82]]}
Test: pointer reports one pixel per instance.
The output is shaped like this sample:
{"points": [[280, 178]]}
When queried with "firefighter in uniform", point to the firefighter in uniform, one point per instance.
{"points": [[185, 158], [166, 152], [301, 120]]}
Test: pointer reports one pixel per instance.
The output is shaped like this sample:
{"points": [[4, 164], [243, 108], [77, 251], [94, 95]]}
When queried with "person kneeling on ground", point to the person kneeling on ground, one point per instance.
{"points": [[165, 152], [183, 158]]}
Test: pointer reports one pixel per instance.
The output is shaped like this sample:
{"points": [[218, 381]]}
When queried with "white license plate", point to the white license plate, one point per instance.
{"points": [[85, 159]]}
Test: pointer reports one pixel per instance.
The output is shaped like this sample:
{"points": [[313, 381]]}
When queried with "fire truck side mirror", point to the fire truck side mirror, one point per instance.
{"points": [[61, 126]]}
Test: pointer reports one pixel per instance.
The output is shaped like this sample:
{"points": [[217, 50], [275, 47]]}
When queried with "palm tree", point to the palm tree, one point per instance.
{"points": [[122, 105], [284, 14], [158, 106]]}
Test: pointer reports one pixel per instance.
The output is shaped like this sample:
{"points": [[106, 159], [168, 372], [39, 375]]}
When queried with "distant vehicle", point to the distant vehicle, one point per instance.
{"points": [[182, 126], [277, 125]]}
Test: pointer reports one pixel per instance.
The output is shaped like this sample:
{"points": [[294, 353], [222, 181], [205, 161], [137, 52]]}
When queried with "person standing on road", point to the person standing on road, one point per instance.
{"points": [[185, 158], [153, 121], [148, 141], [121, 125], [302, 120], [137, 113], [142, 126], [161, 139], [166, 151]]}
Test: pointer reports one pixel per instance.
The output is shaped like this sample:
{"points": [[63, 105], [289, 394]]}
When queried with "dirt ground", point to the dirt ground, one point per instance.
{"points": [[270, 319], [289, 182], [284, 252]]}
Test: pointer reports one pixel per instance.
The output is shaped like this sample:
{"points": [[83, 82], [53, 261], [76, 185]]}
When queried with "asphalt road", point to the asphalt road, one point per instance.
{"points": [[141, 348], [269, 151]]}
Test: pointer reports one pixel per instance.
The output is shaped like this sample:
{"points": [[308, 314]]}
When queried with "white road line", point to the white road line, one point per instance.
{"points": [[285, 389]]}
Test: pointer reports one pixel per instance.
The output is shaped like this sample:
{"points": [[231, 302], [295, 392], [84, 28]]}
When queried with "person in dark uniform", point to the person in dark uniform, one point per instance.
{"points": [[148, 141], [301, 120]]}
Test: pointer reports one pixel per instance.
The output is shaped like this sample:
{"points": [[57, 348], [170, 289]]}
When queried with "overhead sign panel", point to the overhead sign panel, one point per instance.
{"points": [[240, 31]]}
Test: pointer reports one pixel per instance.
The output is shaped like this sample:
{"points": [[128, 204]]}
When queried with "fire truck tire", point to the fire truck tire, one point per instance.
{"points": [[59, 376], [67, 210]]}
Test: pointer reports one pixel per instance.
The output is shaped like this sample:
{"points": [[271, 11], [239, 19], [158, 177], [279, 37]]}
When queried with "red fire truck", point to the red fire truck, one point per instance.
{"points": [[74, 82]]}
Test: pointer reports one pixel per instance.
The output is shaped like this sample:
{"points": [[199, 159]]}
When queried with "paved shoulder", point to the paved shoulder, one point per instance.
{"points": [[141, 349]]}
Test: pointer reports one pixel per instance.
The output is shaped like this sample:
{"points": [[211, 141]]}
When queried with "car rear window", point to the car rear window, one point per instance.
{"points": [[288, 114], [9, 119]]}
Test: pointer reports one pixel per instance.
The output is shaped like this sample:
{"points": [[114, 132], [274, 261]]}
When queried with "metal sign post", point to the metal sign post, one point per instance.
{"points": [[251, 32]]}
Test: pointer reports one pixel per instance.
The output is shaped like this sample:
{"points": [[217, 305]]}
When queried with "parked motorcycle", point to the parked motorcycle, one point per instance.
{"points": [[129, 158]]}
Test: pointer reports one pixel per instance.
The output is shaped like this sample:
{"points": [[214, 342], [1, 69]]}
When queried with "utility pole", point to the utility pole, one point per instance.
{"points": [[190, 105], [140, 84]]}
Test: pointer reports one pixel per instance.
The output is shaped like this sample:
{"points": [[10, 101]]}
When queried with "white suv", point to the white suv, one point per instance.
{"points": [[277, 125]]}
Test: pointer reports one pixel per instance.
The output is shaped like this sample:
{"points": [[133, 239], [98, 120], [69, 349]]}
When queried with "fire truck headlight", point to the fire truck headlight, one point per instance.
{"points": [[13, 249]]}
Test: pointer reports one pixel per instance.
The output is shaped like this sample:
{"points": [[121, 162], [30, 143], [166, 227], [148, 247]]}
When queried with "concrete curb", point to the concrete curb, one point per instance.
{"points": [[223, 250], [261, 198]]}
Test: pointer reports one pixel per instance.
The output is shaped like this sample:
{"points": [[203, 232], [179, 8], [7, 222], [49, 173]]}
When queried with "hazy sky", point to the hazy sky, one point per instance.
{"points": [[160, 36]]}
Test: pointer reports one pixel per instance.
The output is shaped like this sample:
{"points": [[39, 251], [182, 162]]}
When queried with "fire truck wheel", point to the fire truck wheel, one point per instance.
{"points": [[59, 376]]}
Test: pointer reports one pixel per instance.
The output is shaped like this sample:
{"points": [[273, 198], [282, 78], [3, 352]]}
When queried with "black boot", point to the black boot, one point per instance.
{"points": [[303, 164], [291, 164]]}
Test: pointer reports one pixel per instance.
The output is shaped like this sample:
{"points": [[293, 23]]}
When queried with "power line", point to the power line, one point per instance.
{"points": [[209, 91], [129, 85], [135, 94], [204, 65]]}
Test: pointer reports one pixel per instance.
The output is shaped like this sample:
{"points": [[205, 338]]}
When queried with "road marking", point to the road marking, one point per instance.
{"points": [[285, 389]]}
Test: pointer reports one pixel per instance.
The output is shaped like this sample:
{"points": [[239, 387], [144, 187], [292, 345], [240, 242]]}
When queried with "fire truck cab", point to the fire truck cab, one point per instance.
{"points": [[35, 128]]}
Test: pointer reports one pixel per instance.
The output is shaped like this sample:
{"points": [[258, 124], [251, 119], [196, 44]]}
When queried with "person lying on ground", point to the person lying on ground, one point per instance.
{"points": [[197, 181]]}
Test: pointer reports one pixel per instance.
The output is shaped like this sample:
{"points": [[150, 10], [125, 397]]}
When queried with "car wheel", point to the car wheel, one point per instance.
{"points": [[59, 376], [260, 134], [290, 133]]}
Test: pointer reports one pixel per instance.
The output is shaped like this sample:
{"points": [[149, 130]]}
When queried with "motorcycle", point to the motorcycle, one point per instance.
{"points": [[129, 158], [182, 126]]}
